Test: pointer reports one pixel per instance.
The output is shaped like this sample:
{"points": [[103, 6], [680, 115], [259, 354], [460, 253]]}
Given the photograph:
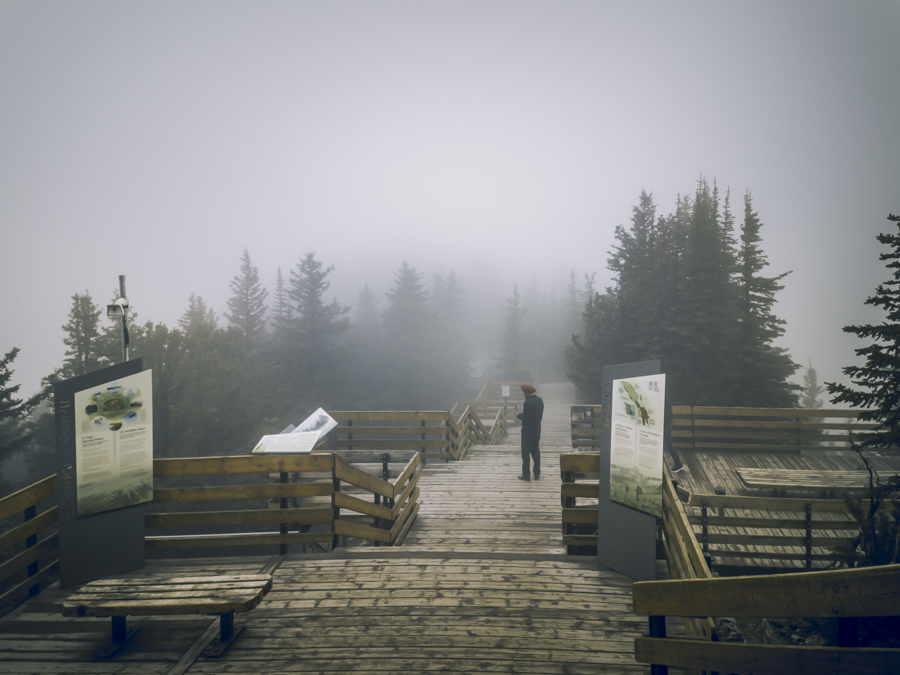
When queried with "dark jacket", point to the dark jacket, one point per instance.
{"points": [[531, 415]]}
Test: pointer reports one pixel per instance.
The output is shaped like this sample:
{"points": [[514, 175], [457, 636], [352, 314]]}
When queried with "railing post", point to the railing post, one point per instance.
{"points": [[703, 520], [808, 539], [423, 438], [30, 513], [283, 504], [658, 630], [336, 483], [568, 503], [377, 522], [350, 436]]}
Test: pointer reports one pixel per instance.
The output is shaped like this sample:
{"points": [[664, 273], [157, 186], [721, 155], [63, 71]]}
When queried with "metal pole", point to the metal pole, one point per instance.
{"points": [[124, 319]]}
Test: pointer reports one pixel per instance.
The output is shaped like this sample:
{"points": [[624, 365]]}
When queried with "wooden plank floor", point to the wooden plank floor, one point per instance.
{"points": [[482, 584]]}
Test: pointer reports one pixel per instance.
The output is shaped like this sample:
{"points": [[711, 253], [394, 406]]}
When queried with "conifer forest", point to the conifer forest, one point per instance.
{"points": [[691, 287]]}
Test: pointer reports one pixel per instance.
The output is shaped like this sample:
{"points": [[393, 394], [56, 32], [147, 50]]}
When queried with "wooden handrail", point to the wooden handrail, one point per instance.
{"points": [[27, 563], [847, 595], [860, 592]]}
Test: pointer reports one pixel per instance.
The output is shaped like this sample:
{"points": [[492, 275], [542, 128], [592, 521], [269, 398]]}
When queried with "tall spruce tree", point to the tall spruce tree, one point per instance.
{"points": [[84, 353], [247, 304], [317, 329], [411, 349], [197, 316], [284, 310], [809, 396], [452, 346], [14, 433], [707, 320], [585, 356], [512, 354], [875, 385], [761, 368]]}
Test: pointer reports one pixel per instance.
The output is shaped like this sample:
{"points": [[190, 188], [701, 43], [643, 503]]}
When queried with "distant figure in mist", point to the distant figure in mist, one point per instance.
{"points": [[531, 415]]}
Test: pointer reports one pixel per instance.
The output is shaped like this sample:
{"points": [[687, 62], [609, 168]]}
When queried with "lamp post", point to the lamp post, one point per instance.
{"points": [[117, 309]]}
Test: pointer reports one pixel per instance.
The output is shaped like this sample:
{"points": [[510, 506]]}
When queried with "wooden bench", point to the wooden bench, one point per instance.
{"points": [[780, 480], [116, 598]]}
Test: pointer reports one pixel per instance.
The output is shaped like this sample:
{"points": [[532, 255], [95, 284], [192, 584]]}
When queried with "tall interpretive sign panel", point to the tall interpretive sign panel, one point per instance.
{"points": [[631, 449], [636, 460], [104, 430]]}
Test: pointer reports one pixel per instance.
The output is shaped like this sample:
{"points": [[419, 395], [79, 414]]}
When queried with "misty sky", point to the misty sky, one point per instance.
{"points": [[503, 139]]}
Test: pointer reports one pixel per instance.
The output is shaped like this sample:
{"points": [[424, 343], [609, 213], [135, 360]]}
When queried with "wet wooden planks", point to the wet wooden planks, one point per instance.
{"points": [[403, 614], [36, 638]]}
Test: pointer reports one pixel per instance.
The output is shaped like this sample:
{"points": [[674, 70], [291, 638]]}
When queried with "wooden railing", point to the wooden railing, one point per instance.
{"points": [[765, 532], [579, 472], [846, 595], [243, 506], [394, 506], [306, 503], [29, 551], [438, 435], [764, 429], [683, 554]]}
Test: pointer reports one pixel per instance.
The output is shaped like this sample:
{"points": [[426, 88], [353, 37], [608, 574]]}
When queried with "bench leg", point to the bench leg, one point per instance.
{"points": [[226, 624], [227, 635], [121, 634]]}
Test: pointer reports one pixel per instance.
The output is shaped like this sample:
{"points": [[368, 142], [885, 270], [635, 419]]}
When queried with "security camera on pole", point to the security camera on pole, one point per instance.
{"points": [[117, 309]]}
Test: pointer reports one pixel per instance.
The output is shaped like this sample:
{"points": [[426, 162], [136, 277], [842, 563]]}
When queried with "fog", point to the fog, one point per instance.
{"points": [[504, 140]]}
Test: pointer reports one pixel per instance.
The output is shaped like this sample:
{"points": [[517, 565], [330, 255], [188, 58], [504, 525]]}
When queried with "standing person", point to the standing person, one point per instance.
{"points": [[531, 415]]}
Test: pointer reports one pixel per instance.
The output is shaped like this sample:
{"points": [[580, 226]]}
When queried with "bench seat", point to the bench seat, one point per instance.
{"points": [[224, 595]]}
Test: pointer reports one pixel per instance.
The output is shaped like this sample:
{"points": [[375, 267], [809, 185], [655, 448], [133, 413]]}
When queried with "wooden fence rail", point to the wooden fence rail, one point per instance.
{"points": [[847, 595], [768, 533], [741, 429], [768, 430], [29, 552]]}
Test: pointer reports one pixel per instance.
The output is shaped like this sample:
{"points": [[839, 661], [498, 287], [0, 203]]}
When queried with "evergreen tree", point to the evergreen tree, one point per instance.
{"points": [[247, 303], [574, 307], [197, 316], [84, 353], [512, 355], [411, 350], [367, 320], [284, 311], [14, 433], [634, 262], [762, 368], [707, 318], [316, 331], [875, 385], [451, 344], [809, 398], [585, 356]]}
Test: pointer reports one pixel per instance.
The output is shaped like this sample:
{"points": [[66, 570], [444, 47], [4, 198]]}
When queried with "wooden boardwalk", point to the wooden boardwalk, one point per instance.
{"points": [[481, 584]]}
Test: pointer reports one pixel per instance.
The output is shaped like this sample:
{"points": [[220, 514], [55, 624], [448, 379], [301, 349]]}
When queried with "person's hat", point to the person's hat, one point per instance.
{"points": [[528, 390]]}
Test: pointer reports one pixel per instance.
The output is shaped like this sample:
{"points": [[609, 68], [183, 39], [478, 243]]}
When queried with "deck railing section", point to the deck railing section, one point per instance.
{"points": [[845, 595], [245, 499], [29, 550], [764, 532], [394, 505], [580, 471], [764, 429]]}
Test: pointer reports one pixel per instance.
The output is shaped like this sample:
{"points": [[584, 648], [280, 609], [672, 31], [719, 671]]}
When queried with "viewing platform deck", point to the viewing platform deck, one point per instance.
{"points": [[482, 583]]}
